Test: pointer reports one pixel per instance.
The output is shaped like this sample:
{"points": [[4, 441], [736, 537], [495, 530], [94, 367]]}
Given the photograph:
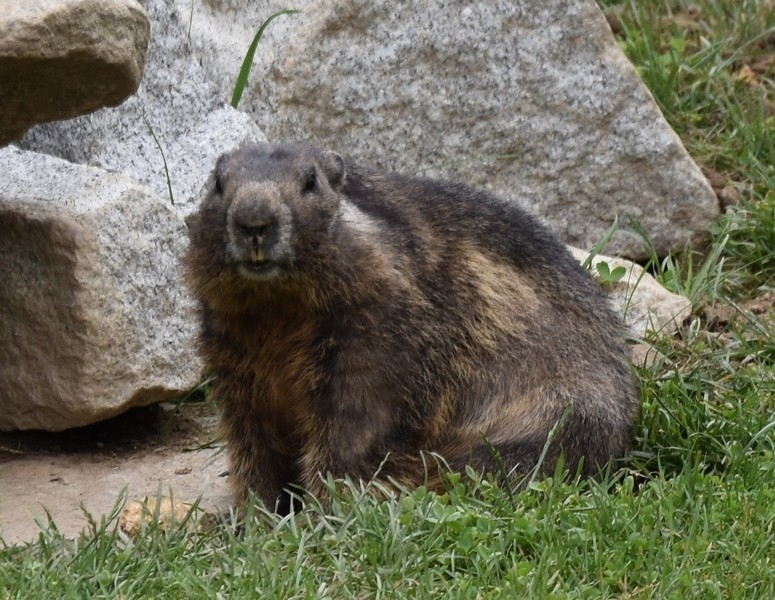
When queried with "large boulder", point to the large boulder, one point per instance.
{"points": [[532, 99], [169, 134], [93, 318], [62, 58]]}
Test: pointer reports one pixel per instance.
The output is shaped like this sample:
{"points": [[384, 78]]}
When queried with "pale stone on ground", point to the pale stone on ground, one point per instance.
{"points": [[534, 100], [93, 317], [62, 58], [642, 302]]}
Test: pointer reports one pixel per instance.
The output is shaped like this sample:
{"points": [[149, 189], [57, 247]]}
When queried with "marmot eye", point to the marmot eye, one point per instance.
{"points": [[310, 180], [218, 184]]}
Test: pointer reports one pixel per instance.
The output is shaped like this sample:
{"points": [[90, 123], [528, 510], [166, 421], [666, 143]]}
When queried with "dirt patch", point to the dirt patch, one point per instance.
{"points": [[721, 315], [88, 467]]}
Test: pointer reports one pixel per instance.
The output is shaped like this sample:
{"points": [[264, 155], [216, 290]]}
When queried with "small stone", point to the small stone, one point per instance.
{"points": [[643, 304], [728, 196], [167, 512]]}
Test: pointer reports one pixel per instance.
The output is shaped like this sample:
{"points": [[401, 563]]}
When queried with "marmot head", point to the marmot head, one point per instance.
{"points": [[268, 213]]}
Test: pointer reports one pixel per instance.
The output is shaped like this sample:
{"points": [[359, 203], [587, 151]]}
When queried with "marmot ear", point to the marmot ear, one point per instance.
{"points": [[335, 169]]}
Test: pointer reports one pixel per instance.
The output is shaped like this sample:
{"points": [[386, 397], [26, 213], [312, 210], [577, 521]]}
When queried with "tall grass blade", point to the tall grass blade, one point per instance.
{"points": [[247, 63]]}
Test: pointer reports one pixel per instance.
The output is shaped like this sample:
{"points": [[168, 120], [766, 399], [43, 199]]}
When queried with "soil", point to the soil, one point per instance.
{"points": [[164, 448]]}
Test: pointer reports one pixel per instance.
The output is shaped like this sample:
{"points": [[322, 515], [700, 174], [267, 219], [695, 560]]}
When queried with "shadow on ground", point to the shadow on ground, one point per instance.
{"points": [[87, 468]]}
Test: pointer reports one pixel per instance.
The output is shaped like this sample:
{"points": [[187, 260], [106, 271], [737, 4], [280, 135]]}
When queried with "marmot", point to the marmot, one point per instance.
{"points": [[359, 321]]}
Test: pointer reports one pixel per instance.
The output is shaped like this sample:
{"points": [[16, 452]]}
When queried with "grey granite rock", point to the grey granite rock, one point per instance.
{"points": [[93, 318], [220, 32], [531, 99], [176, 104], [62, 58]]}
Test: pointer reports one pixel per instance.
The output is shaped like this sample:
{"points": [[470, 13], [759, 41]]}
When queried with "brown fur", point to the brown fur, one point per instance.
{"points": [[358, 319]]}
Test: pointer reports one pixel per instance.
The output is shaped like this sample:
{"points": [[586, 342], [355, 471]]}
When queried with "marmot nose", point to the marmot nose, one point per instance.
{"points": [[256, 229]]}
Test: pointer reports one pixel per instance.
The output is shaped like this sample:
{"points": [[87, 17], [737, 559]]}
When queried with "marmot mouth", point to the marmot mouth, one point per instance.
{"points": [[261, 270]]}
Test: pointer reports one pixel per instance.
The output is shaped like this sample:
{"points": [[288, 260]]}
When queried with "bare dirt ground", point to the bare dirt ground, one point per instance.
{"points": [[140, 451]]}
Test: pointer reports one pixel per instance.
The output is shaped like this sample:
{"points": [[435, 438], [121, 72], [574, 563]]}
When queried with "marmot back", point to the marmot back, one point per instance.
{"points": [[358, 319]]}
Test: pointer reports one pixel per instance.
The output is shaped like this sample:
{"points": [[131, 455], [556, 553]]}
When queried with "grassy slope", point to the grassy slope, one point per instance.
{"points": [[691, 513]]}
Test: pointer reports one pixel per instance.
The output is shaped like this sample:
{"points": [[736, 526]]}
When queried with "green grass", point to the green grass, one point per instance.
{"points": [[691, 54], [247, 62], [689, 513], [688, 534]]}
